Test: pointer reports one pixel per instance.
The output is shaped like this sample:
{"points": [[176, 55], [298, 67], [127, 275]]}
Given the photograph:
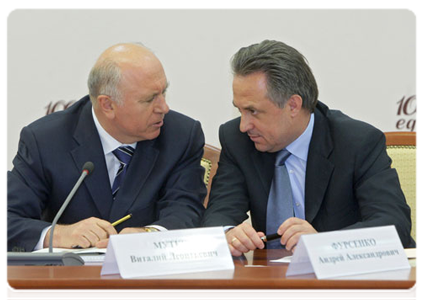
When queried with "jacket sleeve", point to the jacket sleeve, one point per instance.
{"points": [[27, 195], [229, 199], [181, 202], [378, 190]]}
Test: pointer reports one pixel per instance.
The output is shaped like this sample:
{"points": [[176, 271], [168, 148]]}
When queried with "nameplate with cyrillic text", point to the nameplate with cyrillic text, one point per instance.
{"points": [[167, 252], [349, 252]]}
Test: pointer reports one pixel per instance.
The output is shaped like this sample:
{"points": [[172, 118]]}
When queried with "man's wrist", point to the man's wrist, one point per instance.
{"points": [[58, 236]]}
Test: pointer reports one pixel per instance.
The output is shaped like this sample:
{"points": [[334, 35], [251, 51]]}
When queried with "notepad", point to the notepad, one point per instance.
{"points": [[90, 259]]}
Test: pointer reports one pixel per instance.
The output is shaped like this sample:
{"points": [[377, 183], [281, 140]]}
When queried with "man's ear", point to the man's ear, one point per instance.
{"points": [[106, 105], [295, 103]]}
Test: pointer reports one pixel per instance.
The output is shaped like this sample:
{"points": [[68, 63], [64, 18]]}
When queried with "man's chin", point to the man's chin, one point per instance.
{"points": [[150, 136], [155, 134], [261, 147]]}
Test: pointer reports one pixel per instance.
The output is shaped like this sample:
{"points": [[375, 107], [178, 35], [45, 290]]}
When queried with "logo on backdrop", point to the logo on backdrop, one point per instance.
{"points": [[58, 105], [406, 113]]}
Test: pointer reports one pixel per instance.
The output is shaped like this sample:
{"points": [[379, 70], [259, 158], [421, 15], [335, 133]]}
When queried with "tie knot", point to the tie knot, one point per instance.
{"points": [[282, 157], [124, 154]]}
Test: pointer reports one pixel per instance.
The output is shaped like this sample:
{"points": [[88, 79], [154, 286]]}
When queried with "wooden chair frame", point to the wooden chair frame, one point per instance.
{"points": [[400, 138], [211, 156]]}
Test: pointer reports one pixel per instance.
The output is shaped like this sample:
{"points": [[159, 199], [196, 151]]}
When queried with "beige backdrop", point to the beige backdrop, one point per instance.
{"points": [[364, 60]]}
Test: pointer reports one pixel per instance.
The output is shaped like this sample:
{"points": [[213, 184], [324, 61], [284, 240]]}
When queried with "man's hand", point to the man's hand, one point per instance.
{"points": [[85, 233], [243, 238], [132, 230], [291, 230], [103, 243]]}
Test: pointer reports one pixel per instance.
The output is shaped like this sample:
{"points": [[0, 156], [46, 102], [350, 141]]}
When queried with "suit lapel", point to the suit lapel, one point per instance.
{"points": [[264, 163], [140, 167], [90, 149], [319, 168]]}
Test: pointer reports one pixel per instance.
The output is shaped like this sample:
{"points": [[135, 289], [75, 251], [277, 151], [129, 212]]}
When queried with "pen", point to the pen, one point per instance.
{"points": [[270, 237], [121, 220]]}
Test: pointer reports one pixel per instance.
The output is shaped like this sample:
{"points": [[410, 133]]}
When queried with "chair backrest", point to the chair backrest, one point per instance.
{"points": [[209, 162], [401, 147]]}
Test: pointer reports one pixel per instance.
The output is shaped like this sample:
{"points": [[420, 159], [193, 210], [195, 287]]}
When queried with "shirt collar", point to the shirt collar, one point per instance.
{"points": [[299, 147], [108, 142]]}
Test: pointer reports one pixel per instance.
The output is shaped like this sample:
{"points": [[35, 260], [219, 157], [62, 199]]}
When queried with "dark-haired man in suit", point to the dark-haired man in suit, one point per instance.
{"points": [[296, 165]]}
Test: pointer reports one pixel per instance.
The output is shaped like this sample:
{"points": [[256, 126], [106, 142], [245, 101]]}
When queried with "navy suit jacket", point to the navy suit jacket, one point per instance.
{"points": [[349, 180], [163, 185]]}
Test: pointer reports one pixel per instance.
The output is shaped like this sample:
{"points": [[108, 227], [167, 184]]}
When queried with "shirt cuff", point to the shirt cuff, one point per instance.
{"points": [[227, 228], [40, 244], [158, 227]]}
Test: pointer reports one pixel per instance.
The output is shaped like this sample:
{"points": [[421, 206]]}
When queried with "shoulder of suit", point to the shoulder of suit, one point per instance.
{"points": [[230, 135], [178, 125], [346, 128], [177, 119], [61, 119], [231, 126], [173, 115]]}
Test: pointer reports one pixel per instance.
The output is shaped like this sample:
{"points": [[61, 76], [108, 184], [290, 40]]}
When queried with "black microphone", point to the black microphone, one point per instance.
{"points": [[50, 258]]}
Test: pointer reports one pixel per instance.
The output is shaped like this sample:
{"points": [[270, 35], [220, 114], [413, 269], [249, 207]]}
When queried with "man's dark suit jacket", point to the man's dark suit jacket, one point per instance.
{"points": [[349, 181], [163, 184]]}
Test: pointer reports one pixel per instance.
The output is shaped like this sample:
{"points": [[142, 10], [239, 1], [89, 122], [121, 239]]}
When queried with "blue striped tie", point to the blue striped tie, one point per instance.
{"points": [[279, 206], [124, 155]]}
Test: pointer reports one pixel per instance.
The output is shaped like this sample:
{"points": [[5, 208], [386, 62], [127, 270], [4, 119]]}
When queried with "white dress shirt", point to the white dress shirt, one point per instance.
{"points": [[109, 144]]}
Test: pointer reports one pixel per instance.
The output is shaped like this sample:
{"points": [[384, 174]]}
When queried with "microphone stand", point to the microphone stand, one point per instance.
{"points": [[50, 258], [63, 207]]}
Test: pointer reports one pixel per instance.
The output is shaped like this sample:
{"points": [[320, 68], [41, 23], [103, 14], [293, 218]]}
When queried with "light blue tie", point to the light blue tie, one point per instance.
{"points": [[279, 205], [124, 155]]}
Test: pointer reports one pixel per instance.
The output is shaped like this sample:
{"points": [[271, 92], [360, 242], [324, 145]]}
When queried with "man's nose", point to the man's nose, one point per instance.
{"points": [[245, 124], [162, 106]]}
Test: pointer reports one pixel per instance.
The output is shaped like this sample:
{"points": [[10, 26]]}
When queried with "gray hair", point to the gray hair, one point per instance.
{"points": [[104, 79], [286, 70]]}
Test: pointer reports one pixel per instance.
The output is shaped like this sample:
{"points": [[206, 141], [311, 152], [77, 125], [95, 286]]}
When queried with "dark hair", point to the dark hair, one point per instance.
{"points": [[286, 70]]}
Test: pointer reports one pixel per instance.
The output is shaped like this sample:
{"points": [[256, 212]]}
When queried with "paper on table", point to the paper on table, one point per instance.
{"points": [[91, 259], [411, 254], [87, 251], [166, 253], [92, 250], [92, 256], [286, 259]]}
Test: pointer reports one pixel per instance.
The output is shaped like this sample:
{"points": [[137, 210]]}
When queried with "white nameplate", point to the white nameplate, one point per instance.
{"points": [[167, 252], [349, 252]]}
